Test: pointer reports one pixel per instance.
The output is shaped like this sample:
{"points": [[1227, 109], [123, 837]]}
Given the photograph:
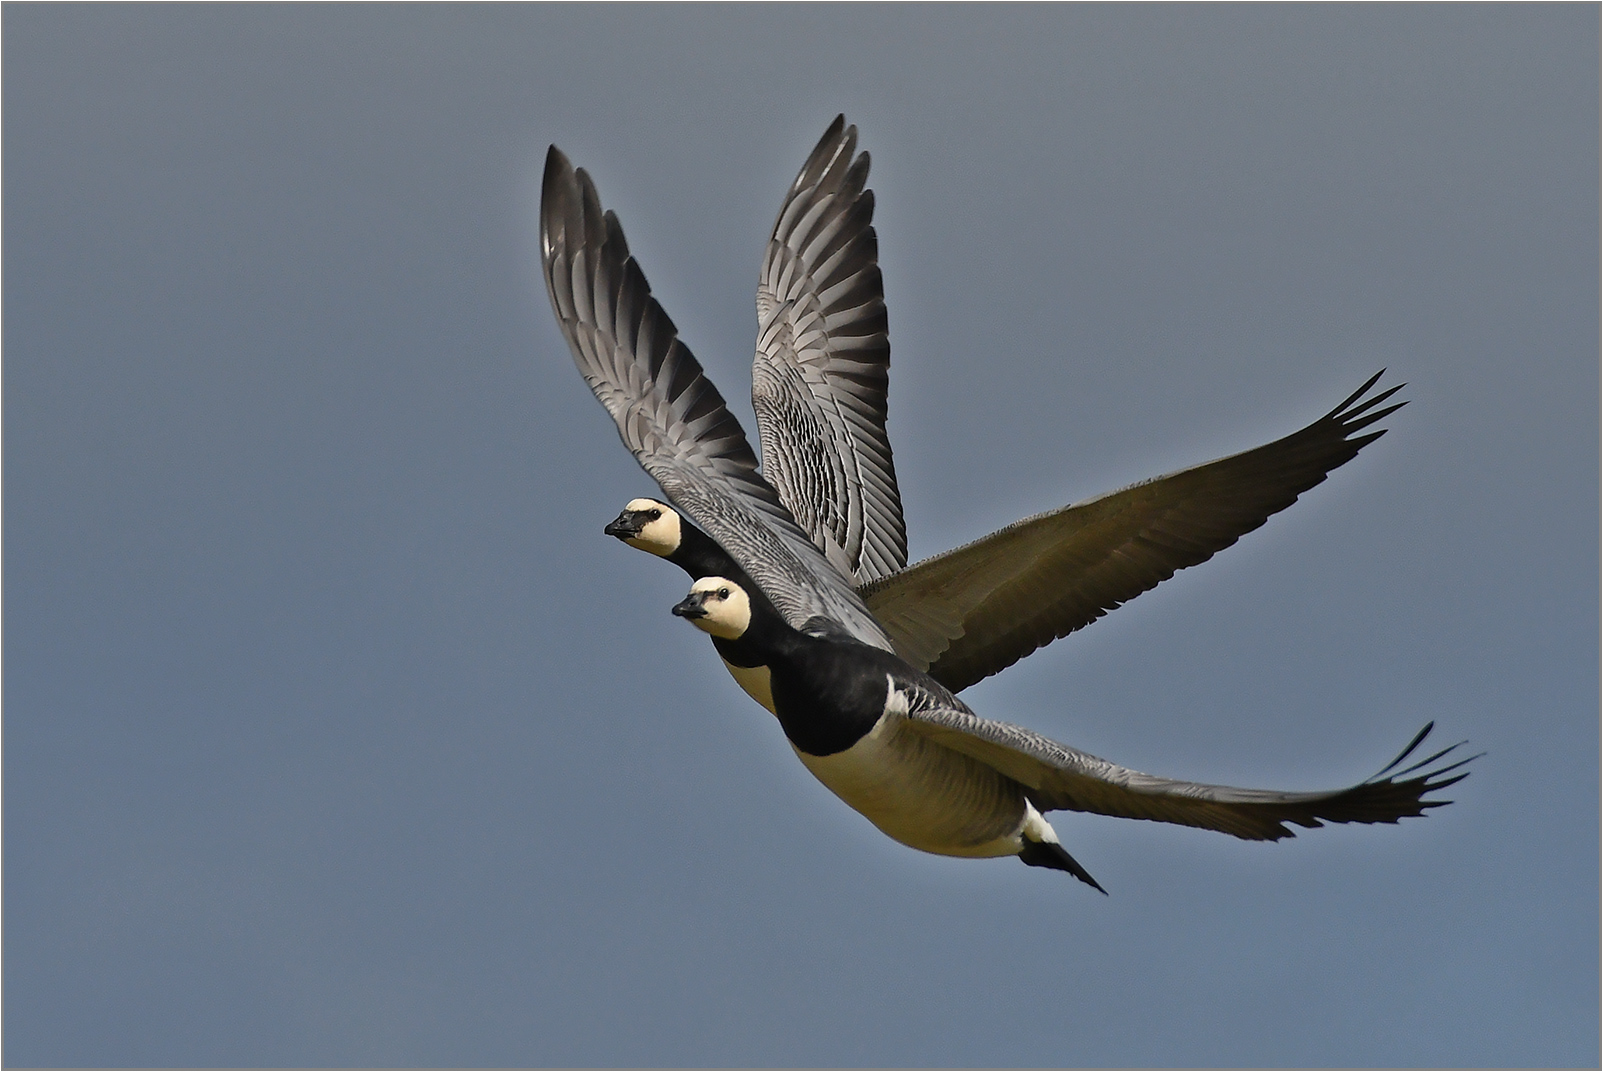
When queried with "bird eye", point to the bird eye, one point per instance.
{"points": [[654, 514], [723, 593]]}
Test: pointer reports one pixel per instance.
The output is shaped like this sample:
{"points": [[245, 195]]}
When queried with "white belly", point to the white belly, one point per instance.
{"points": [[924, 795]]}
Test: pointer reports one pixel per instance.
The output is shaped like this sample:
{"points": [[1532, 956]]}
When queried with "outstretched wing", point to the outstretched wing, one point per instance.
{"points": [[1057, 777], [968, 613], [668, 413], [819, 378]]}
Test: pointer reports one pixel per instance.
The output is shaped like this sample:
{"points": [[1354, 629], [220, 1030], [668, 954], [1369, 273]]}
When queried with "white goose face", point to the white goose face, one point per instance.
{"points": [[718, 606], [649, 525]]}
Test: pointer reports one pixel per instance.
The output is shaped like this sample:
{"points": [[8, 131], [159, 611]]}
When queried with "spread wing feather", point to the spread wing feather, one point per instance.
{"points": [[820, 374], [970, 612], [1057, 777], [668, 413]]}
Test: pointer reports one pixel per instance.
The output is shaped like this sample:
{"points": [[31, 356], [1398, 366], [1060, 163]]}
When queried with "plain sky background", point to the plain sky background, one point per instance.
{"points": [[337, 733]]}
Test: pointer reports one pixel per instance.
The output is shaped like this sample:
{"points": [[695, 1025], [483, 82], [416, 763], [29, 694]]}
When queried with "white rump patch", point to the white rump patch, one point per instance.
{"points": [[1036, 828], [897, 702]]}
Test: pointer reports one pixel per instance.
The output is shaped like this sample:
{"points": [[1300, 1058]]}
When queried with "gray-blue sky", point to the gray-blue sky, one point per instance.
{"points": [[337, 733]]}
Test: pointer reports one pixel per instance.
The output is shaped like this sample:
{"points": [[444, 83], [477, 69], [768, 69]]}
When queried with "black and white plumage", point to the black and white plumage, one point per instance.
{"points": [[968, 613], [820, 371], [918, 763], [668, 413], [819, 383], [657, 527], [907, 753]]}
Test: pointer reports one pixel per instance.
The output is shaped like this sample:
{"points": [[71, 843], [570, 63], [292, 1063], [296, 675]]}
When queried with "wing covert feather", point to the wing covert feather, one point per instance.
{"points": [[669, 415], [970, 612], [821, 370]]}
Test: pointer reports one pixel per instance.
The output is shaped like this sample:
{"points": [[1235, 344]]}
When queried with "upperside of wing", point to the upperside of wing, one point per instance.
{"points": [[970, 612], [821, 370], [1056, 776], [669, 415]]}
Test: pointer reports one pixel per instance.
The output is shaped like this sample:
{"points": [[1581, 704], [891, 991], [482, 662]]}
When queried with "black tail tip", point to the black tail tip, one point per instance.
{"points": [[1055, 856]]}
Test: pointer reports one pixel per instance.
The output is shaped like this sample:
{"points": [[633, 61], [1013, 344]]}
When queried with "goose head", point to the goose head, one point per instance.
{"points": [[649, 525], [718, 606]]}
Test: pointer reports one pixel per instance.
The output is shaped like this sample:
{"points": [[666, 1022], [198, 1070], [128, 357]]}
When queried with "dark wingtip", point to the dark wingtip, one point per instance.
{"points": [[827, 148], [1419, 778], [1356, 395], [1375, 400], [555, 191], [832, 137], [1407, 751], [1360, 423], [1347, 411], [557, 170]]}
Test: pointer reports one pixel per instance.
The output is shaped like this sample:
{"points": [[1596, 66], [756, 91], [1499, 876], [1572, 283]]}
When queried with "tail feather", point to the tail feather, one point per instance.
{"points": [[1051, 854]]}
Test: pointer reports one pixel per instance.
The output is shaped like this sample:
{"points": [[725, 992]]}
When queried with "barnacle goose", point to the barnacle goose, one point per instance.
{"points": [[968, 613], [819, 379], [677, 426], [918, 763], [657, 527]]}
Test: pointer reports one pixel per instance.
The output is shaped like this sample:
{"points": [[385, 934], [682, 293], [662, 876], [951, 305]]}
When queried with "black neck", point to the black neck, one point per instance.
{"points": [[700, 556], [828, 690]]}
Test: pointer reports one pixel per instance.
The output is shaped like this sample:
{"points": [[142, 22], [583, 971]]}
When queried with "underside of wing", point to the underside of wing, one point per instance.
{"points": [[821, 369], [968, 613], [1057, 777], [668, 413]]}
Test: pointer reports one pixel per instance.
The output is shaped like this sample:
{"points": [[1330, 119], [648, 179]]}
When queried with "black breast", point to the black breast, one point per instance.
{"points": [[736, 653], [830, 694]]}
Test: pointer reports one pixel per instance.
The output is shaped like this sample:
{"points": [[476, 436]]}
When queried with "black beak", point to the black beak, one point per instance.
{"points": [[625, 526], [691, 606]]}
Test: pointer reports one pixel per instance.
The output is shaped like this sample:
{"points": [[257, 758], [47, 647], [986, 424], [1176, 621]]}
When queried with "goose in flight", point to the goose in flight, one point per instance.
{"points": [[968, 613], [819, 380], [677, 426], [917, 762]]}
